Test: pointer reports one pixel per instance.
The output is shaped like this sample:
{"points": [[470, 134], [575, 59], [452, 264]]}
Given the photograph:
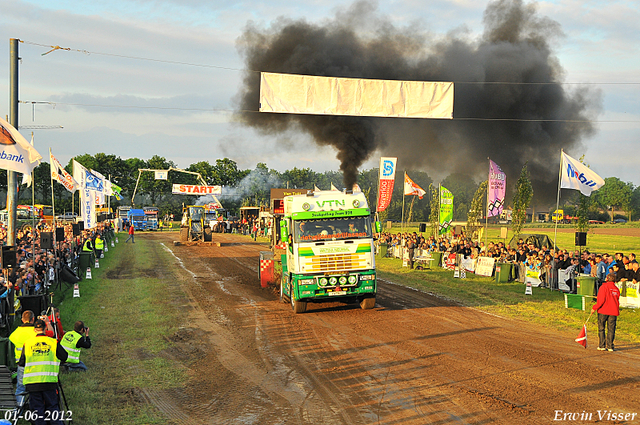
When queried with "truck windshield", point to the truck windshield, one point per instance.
{"points": [[332, 229]]}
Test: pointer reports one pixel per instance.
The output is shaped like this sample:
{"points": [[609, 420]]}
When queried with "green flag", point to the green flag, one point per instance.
{"points": [[446, 210], [116, 191]]}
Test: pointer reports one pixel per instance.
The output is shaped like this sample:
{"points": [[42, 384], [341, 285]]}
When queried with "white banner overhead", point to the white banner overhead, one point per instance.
{"points": [[307, 94], [189, 189]]}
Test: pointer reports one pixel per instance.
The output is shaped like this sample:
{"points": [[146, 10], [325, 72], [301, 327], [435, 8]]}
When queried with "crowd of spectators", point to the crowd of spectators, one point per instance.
{"points": [[38, 268], [542, 259]]}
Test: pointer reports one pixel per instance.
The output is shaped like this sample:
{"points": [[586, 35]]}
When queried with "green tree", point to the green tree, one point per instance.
{"points": [[615, 194], [476, 211], [521, 200]]}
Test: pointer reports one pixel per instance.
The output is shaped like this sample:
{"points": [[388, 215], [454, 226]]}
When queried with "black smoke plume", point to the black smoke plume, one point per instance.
{"points": [[495, 114]]}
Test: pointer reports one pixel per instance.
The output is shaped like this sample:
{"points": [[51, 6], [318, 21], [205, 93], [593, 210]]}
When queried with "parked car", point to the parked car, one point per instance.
{"points": [[68, 216], [619, 221], [596, 222]]}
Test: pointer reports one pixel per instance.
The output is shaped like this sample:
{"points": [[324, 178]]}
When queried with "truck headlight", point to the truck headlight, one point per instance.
{"points": [[342, 280], [352, 279], [333, 281], [323, 281]]}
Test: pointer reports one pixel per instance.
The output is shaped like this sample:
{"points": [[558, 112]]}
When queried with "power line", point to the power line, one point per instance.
{"points": [[230, 111], [87, 52]]}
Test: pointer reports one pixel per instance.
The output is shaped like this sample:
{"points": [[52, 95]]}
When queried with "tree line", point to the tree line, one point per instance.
{"points": [[251, 187]]}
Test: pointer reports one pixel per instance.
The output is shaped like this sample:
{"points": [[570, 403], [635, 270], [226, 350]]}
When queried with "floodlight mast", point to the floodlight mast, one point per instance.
{"points": [[180, 170]]}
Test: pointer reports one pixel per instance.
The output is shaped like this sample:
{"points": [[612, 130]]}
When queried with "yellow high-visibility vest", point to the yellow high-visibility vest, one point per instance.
{"points": [[69, 342], [41, 364], [99, 243], [21, 335]]}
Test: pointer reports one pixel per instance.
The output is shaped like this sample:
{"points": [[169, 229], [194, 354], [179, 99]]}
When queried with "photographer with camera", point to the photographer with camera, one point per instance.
{"points": [[72, 342], [40, 359]]}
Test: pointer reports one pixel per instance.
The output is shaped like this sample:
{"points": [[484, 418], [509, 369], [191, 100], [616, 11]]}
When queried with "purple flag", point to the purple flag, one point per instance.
{"points": [[497, 189]]}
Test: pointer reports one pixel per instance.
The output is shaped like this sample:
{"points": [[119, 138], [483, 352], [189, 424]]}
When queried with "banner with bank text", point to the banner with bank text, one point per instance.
{"points": [[446, 210], [59, 174], [576, 175], [189, 189], [385, 184], [497, 190], [16, 153]]}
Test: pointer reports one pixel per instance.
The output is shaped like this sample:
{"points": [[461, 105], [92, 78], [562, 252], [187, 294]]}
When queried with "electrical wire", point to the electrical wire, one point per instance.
{"points": [[87, 52], [231, 111]]}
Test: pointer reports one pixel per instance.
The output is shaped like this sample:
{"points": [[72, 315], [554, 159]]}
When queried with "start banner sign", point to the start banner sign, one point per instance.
{"points": [[189, 189]]}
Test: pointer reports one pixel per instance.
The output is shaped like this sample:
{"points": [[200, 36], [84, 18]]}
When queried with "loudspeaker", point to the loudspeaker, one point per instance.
{"points": [[46, 240], [581, 238], [59, 234], [76, 229], [36, 303], [9, 257], [423, 227], [81, 225]]}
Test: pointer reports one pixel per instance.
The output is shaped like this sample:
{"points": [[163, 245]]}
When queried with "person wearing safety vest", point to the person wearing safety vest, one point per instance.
{"points": [[18, 338], [41, 357], [72, 342], [99, 245], [22, 333], [88, 245]]}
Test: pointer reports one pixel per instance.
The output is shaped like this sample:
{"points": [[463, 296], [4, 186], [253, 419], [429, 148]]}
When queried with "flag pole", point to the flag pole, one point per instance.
{"points": [[33, 209], [486, 210], [439, 207], [555, 232], [402, 215], [53, 212]]}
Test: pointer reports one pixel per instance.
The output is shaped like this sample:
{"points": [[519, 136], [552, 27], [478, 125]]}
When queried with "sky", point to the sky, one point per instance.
{"points": [[144, 78]]}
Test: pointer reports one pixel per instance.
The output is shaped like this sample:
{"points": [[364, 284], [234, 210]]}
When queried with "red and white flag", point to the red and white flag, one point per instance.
{"points": [[411, 188], [582, 337], [59, 174]]}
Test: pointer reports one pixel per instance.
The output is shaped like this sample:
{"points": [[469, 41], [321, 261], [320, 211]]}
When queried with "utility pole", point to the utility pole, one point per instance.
{"points": [[12, 185]]}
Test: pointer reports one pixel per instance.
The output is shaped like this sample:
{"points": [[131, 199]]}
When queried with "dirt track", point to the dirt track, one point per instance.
{"points": [[414, 359]]}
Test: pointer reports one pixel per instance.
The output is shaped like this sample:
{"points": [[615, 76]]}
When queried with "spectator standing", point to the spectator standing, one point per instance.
{"points": [[133, 239], [99, 245], [40, 358], [22, 334], [608, 308]]}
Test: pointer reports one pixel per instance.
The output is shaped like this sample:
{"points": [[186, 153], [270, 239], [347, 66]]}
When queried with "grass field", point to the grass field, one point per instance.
{"points": [[545, 307], [131, 315]]}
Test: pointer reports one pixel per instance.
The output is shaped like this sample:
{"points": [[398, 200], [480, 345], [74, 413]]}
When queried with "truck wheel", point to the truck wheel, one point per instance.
{"points": [[184, 234], [297, 306], [207, 234], [368, 303]]}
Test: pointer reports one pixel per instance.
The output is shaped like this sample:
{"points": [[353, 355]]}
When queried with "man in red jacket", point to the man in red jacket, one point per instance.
{"points": [[608, 308]]}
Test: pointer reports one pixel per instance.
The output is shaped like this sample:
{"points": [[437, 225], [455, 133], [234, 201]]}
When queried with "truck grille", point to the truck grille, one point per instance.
{"points": [[335, 262]]}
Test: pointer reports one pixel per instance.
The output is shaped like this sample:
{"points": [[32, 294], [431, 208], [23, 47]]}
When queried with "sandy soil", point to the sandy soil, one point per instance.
{"points": [[414, 359]]}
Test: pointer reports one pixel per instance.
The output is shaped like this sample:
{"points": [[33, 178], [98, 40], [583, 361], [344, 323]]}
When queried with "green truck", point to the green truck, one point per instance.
{"points": [[329, 253]]}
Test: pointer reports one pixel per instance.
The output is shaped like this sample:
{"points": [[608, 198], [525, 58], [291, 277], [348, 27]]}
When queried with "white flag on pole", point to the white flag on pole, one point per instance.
{"points": [[16, 154], [576, 175], [59, 174]]}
